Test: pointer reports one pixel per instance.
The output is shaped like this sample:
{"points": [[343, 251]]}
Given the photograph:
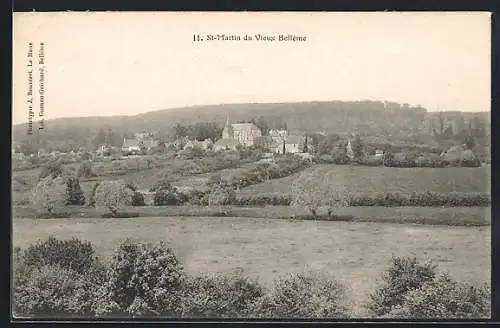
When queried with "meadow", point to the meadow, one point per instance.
{"points": [[365, 179], [265, 249], [445, 216]]}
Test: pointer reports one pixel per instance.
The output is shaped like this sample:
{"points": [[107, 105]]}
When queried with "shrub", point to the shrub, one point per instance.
{"points": [[51, 290], [404, 274], [444, 298], [194, 197], [74, 193], [85, 170], [427, 198], [221, 194], [131, 186], [56, 277], [53, 169], [265, 199], [113, 196], [91, 198], [170, 196], [309, 295], [49, 195], [142, 279], [71, 254], [219, 297], [138, 199], [162, 184]]}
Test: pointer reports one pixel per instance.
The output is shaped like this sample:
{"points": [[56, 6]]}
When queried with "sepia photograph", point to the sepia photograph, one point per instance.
{"points": [[251, 165]]}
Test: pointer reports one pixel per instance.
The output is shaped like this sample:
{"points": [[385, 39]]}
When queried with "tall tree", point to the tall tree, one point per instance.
{"points": [[448, 132], [100, 138], [441, 123], [263, 126], [357, 147]]}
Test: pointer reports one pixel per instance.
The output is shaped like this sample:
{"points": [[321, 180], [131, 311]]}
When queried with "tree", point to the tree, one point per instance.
{"points": [[263, 126], [74, 193], [357, 147], [312, 193], [162, 184], [91, 198], [48, 197], [305, 148], [53, 169], [99, 139], [388, 158], [441, 123], [113, 196], [85, 170], [470, 142], [448, 132], [222, 193], [180, 131]]}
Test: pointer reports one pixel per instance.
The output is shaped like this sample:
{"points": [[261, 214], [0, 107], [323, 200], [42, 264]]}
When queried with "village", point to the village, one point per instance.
{"points": [[234, 136]]}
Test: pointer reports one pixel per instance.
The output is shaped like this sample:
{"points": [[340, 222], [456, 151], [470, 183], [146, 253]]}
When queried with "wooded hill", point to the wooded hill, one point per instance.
{"points": [[341, 117]]}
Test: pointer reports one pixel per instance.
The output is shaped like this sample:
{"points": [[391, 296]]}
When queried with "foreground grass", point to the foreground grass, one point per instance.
{"points": [[266, 249], [451, 216]]}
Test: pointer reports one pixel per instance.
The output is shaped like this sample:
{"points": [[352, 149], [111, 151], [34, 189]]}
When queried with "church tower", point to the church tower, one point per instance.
{"points": [[228, 132]]}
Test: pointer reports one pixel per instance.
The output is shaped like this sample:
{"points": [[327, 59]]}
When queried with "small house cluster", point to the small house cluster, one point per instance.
{"points": [[141, 141]]}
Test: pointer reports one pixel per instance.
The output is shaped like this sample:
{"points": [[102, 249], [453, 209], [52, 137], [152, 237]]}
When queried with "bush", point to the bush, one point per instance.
{"points": [[194, 197], [219, 297], [53, 169], [142, 279], [49, 195], [137, 199], [131, 186], [56, 278], [53, 291], [308, 295], [71, 254], [404, 274], [170, 197], [85, 170], [113, 196], [74, 193], [91, 198], [265, 199], [428, 198], [221, 194], [444, 298]]}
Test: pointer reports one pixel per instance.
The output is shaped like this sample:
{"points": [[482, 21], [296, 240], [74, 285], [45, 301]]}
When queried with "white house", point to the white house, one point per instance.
{"points": [[379, 153], [131, 145]]}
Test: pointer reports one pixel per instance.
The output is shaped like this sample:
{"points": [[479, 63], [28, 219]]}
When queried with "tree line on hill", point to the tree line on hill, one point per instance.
{"points": [[364, 117]]}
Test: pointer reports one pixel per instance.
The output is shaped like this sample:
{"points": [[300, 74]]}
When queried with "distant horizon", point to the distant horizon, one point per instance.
{"points": [[256, 103]]}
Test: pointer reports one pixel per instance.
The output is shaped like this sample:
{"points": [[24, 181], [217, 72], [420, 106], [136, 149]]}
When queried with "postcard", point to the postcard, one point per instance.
{"points": [[251, 165]]}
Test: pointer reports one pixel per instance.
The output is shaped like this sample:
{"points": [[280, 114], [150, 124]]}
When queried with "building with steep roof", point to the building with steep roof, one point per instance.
{"points": [[245, 134]]}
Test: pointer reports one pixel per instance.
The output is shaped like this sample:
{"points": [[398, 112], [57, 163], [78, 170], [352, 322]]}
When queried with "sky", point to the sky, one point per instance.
{"points": [[111, 63]]}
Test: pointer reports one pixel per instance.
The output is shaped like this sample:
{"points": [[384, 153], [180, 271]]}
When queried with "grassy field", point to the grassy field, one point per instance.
{"points": [[25, 181], [365, 179], [450, 216], [266, 249]]}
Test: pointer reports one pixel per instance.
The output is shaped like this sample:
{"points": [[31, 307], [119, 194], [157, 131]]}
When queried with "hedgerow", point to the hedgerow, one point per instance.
{"points": [[386, 199]]}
